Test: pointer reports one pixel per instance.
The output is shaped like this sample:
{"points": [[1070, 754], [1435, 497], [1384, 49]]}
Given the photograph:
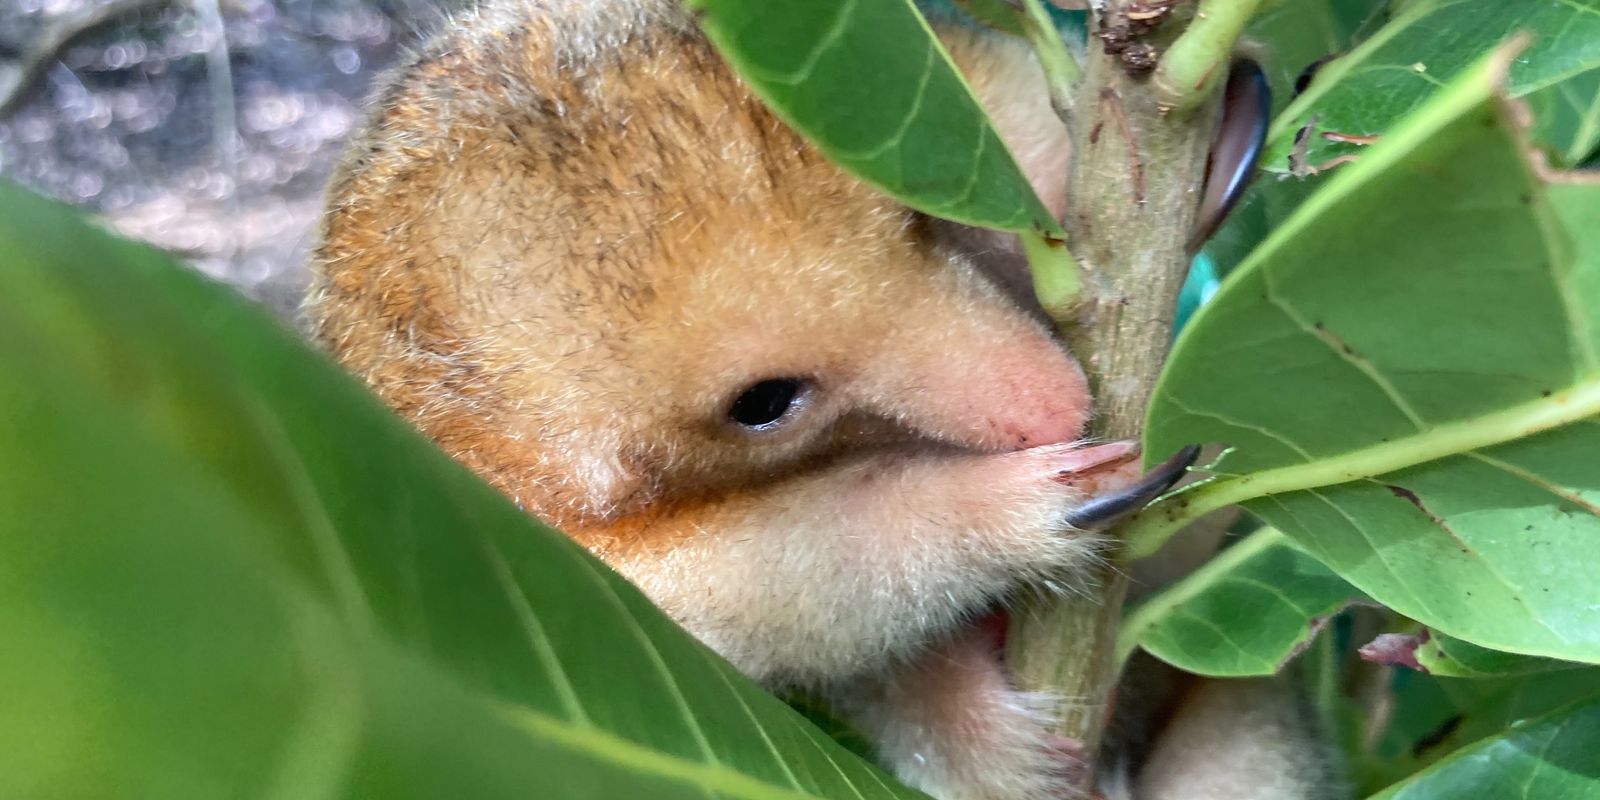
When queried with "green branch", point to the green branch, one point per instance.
{"points": [[1193, 64], [1057, 278], [1061, 70]]}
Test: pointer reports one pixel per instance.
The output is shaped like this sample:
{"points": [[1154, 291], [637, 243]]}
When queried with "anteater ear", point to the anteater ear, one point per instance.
{"points": [[1010, 85]]}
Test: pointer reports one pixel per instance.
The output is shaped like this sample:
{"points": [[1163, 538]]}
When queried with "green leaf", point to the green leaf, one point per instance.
{"points": [[226, 570], [1296, 33], [1406, 370], [1424, 48], [1566, 118], [1552, 756], [997, 14], [1424, 718], [870, 85], [1247, 612], [1263, 208], [1447, 657]]}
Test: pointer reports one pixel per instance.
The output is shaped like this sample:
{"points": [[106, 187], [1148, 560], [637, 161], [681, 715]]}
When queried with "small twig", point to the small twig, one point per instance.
{"points": [[224, 108], [1057, 278], [18, 78], [1061, 69], [1300, 164], [1192, 65]]}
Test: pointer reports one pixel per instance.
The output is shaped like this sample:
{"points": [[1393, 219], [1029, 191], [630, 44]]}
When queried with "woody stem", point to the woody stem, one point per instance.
{"points": [[1133, 197]]}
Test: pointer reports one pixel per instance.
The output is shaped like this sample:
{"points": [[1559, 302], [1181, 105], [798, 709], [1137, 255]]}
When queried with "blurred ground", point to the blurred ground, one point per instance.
{"points": [[132, 121]]}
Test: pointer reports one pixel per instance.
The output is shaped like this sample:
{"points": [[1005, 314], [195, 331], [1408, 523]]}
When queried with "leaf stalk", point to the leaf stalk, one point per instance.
{"points": [[1148, 531], [1191, 67], [1061, 70]]}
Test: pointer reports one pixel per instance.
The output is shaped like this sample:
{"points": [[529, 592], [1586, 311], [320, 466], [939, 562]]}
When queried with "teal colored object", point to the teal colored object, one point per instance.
{"points": [[1075, 24], [1200, 287]]}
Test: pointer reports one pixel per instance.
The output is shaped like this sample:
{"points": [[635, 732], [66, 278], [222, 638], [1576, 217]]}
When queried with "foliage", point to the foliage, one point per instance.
{"points": [[871, 87], [1402, 366], [1425, 45], [867, 82], [1248, 612], [224, 569]]}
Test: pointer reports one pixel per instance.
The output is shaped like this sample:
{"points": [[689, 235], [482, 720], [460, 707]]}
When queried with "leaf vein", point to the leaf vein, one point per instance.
{"points": [[1580, 330], [716, 669], [1281, 595], [538, 640], [1539, 760], [1487, 564], [1372, 547], [1537, 480], [1226, 420], [972, 176], [898, 136], [1345, 352], [615, 749], [824, 43], [1579, 8], [1222, 634], [610, 593]]}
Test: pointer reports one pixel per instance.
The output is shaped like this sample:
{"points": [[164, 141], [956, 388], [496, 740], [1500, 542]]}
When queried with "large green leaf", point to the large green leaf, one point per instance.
{"points": [[1247, 612], [225, 570], [869, 84], [1423, 48], [1549, 757], [1406, 370]]}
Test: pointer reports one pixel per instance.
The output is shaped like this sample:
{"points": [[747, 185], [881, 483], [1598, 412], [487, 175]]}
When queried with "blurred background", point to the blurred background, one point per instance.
{"points": [[205, 127]]}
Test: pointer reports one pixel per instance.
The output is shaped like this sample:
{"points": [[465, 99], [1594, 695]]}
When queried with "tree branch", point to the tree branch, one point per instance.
{"points": [[1133, 195]]}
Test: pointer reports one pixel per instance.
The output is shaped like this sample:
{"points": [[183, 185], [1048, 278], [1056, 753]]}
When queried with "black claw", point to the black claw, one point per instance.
{"points": [[1106, 509], [1246, 111]]}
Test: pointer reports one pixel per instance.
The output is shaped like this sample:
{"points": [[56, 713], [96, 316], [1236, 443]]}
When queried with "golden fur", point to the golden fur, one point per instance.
{"points": [[510, 191]]}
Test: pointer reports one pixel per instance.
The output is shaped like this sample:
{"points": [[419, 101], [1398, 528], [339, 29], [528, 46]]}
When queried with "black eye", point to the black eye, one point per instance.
{"points": [[766, 402]]}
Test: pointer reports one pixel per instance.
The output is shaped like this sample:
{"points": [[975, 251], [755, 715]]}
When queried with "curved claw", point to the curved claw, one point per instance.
{"points": [[1106, 509], [1246, 111]]}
